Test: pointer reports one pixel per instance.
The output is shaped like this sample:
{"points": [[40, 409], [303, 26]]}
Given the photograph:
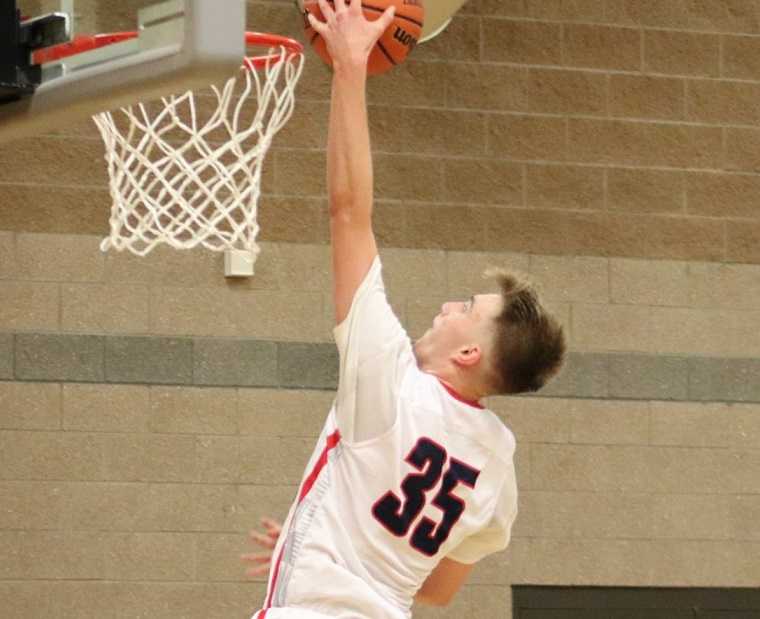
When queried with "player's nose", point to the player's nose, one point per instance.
{"points": [[449, 306]]}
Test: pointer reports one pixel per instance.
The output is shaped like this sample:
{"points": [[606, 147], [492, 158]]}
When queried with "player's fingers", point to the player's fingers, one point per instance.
{"points": [[257, 571], [340, 6], [273, 532], [271, 524], [319, 26], [386, 18], [261, 539], [355, 6], [256, 557], [255, 536], [327, 11]]}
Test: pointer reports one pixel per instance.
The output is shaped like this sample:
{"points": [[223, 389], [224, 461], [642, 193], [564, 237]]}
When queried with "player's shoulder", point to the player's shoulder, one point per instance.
{"points": [[495, 435]]}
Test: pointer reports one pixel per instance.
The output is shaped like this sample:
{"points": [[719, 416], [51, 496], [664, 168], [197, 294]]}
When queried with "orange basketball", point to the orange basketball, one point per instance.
{"points": [[397, 41]]}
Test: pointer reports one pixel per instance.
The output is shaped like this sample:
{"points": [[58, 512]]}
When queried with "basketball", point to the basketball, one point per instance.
{"points": [[393, 47]]}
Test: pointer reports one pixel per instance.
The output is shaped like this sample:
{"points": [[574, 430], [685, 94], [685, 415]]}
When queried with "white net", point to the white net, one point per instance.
{"points": [[186, 171]]}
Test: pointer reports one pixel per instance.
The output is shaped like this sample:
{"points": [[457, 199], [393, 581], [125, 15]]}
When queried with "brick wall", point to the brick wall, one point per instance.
{"points": [[150, 411]]}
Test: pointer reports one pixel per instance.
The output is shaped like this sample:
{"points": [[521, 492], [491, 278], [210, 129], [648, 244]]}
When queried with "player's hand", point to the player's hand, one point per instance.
{"points": [[261, 561], [349, 36]]}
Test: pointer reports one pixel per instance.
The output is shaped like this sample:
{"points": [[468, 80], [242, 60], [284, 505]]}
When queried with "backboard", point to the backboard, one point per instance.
{"points": [[438, 15], [181, 45]]}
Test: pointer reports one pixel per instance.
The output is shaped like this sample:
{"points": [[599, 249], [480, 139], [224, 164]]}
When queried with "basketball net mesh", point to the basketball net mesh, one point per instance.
{"points": [[186, 171]]}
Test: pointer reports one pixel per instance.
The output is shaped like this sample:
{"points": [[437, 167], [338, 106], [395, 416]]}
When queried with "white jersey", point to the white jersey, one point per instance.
{"points": [[404, 474]]}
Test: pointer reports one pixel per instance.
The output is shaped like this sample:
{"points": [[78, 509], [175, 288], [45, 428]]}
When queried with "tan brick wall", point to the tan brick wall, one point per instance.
{"points": [[605, 128], [605, 147]]}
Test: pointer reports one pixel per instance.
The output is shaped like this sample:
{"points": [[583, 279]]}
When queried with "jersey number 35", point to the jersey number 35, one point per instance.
{"points": [[398, 516]]}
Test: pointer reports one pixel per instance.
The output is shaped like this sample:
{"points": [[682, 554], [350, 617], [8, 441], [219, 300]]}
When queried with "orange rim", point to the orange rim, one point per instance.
{"points": [[260, 39], [86, 43]]}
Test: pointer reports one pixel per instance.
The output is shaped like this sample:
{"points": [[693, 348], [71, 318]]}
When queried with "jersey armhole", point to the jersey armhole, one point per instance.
{"points": [[393, 427], [356, 445]]}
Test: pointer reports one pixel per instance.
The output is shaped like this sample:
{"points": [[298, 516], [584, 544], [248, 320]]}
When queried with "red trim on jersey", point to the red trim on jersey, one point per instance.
{"points": [[459, 397], [308, 484], [332, 441]]}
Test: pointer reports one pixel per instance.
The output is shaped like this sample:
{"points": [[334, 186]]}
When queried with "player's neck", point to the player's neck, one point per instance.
{"points": [[470, 397], [456, 380]]}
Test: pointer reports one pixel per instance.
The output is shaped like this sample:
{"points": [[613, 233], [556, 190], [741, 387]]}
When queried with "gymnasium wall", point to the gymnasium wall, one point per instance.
{"points": [[151, 411]]}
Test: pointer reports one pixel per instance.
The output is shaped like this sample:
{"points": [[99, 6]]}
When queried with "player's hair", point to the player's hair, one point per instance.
{"points": [[530, 346]]}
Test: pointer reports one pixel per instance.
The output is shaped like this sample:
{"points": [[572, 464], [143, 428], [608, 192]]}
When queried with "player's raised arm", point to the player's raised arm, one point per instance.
{"points": [[349, 38]]}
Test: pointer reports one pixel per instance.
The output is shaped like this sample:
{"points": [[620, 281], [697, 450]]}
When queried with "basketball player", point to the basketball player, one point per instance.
{"points": [[412, 480]]}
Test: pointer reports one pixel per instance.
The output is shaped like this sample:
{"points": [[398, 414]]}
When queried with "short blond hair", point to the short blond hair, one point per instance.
{"points": [[530, 346]]}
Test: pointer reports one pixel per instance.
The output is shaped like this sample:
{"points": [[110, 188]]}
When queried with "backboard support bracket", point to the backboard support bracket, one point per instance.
{"points": [[19, 78]]}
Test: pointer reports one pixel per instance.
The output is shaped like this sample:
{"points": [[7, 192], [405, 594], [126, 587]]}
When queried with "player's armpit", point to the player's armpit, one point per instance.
{"points": [[443, 583]]}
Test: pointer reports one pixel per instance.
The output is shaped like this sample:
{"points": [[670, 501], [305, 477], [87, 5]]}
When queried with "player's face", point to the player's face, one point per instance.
{"points": [[460, 324], [465, 320]]}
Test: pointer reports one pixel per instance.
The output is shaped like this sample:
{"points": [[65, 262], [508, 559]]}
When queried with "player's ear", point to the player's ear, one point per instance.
{"points": [[468, 356]]}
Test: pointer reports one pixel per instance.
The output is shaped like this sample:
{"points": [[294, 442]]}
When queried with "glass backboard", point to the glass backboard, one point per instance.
{"points": [[180, 45]]}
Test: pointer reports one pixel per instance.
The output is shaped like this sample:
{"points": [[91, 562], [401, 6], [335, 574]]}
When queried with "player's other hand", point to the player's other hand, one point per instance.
{"points": [[261, 561], [349, 36]]}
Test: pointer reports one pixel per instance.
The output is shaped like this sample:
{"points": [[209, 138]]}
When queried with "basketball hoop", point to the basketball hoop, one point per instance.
{"points": [[186, 171]]}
